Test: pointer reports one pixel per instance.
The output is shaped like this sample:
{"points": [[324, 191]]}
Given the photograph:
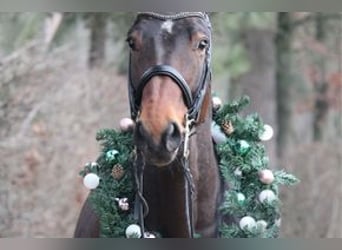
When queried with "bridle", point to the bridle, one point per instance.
{"points": [[192, 100]]}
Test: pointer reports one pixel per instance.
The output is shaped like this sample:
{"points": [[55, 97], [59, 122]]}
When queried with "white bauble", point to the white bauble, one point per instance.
{"points": [[126, 124], [218, 136], [247, 223], [148, 235], [261, 224], [217, 103], [238, 172], [267, 195], [133, 231], [91, 181], [266, 176], [123, 204], [267, 134], [93, 164], [240, 197]]}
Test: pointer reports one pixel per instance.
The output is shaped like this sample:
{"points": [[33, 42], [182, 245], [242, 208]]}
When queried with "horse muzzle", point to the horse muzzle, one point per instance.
{"points": [[159, 150]]}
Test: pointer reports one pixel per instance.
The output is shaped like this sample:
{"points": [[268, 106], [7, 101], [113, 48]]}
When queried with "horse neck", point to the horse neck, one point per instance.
{"points": [[206, 178], [164, 188], [202, 140]]}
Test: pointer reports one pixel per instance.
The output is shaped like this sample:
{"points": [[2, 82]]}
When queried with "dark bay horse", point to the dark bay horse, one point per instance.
{"points": [[170, 98]]}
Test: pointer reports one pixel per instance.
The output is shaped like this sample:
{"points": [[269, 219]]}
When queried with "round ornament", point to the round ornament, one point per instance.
{"points": [[266, 176], [240, 197], [111, 154], [126, 124], [123, 203], [267, 196], [242, 147], [218, 136], [133, 231], [237, 172], [94, 164], [91, 181], [267, 134], [148, 235], [217, 103], [247, 223], [261, 224]]}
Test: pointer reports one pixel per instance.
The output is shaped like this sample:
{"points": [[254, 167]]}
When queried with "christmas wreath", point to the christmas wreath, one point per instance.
{"points": [[253, 196]]}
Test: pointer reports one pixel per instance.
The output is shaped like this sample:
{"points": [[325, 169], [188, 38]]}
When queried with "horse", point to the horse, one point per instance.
{"points": [[170, 99]]}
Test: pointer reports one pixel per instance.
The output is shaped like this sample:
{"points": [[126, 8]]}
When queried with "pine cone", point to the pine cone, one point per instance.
{"points": [[227, 127], [117, 172]]}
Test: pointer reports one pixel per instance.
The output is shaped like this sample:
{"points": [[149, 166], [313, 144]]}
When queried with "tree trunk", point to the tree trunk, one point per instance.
{"points": [[259, 82], [321, 86], [97, 25], [284, 80]]}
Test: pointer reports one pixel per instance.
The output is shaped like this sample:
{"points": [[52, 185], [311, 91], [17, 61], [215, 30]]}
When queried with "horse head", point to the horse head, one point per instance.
{"points": [[169, 73]]}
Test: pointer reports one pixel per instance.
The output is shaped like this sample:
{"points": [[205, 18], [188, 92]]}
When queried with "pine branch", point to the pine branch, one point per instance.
{"points": [[284, 178]]}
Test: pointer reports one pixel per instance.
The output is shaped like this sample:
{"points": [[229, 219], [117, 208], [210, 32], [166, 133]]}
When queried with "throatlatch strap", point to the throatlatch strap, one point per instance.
{"points": [[188, 180], [189, 191], [141, 208]]}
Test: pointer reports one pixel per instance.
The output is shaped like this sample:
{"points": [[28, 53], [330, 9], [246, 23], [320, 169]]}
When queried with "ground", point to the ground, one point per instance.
{"points": [[49, 119]]}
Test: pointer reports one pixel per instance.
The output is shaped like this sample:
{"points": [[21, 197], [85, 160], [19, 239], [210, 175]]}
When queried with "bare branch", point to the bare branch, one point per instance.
{"points": [[312, 17], [26, 58], [51, 26], [29, 118], [19, 62]]}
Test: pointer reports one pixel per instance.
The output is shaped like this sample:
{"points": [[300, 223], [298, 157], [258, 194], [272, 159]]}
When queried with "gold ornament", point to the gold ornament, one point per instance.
{"points": [[117, 172], [227, 127]]}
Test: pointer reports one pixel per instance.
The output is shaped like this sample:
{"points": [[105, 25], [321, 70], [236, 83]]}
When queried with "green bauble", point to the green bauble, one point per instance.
{"points": [[242, 147], [110, 155]]}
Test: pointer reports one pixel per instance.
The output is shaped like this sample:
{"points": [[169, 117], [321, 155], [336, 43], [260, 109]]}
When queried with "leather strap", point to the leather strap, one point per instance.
{"points": [[164, 70], [193, 104]]}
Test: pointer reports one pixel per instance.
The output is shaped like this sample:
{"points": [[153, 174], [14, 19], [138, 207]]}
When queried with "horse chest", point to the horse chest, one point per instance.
{"points": [[165, 194]]}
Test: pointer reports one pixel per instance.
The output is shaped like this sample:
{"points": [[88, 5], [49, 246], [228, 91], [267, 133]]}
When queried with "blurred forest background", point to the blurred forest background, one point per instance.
{"points": [[63, 77]]}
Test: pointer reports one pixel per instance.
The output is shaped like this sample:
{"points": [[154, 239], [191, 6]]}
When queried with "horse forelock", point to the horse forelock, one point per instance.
{"points": [[173, 15]]}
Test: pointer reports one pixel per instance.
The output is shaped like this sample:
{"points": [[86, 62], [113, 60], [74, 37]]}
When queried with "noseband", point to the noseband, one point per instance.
{"points": [[192, 100]]}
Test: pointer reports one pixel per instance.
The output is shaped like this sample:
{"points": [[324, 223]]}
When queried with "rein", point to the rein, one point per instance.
{"points": [[192, 100]]}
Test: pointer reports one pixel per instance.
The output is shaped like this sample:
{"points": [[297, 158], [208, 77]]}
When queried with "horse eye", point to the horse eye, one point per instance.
{"points": [[203, 44], [130, 42]]}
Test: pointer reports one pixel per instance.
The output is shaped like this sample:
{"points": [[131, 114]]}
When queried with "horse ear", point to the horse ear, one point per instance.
{"points": [[205, 105]]}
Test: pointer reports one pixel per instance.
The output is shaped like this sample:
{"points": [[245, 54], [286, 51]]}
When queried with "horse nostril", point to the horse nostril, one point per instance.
{"points": [[172, 137]]}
